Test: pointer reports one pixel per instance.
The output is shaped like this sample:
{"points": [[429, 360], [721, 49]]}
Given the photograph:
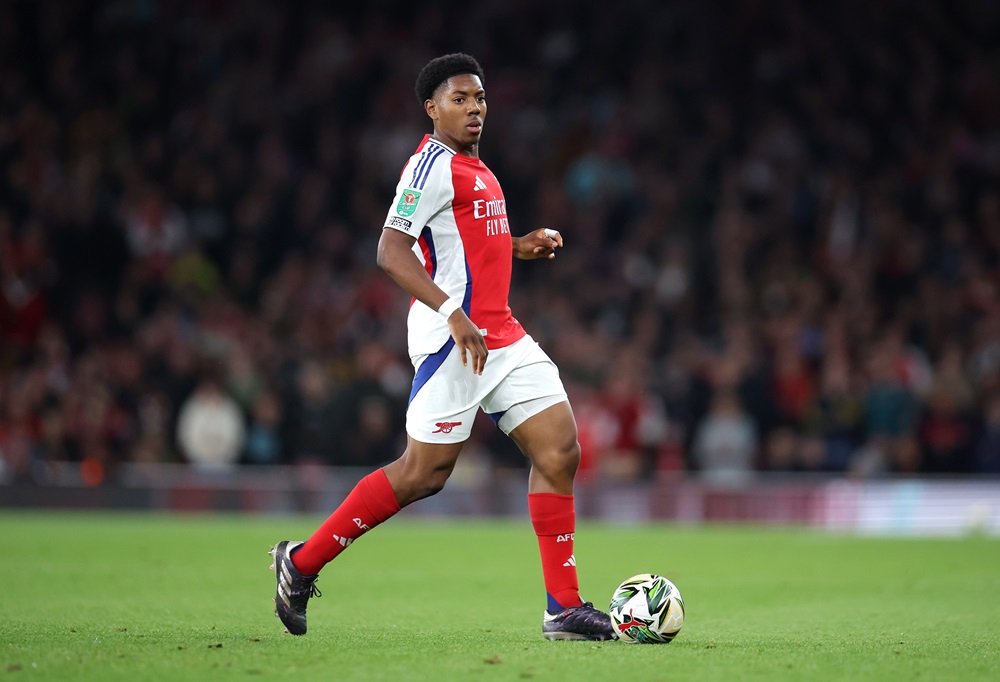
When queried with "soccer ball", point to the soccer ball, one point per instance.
{"points": [[647, 608]]}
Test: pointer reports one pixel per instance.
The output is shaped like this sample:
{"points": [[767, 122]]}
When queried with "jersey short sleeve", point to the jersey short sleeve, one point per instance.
{"points": [[424, 190]]}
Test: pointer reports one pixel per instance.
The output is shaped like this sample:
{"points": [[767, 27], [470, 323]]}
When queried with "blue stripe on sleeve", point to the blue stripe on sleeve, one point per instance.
{"points": [[421, 180]]}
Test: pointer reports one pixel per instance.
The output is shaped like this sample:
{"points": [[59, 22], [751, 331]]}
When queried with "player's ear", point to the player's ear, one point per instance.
{"points": [[430, 106]]}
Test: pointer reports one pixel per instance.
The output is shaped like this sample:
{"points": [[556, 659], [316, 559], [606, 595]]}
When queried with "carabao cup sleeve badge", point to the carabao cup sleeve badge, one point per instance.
{"points": [[408, 202]]}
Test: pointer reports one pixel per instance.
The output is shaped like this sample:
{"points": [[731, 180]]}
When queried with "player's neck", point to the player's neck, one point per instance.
{"points": [[472, 150]]}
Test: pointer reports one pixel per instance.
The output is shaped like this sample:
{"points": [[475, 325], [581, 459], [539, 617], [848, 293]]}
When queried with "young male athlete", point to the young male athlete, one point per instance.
{"points": [[446, 241]]}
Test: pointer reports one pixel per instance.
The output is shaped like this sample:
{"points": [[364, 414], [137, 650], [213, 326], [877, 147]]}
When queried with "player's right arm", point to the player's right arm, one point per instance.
{"points": [[397, 259]]}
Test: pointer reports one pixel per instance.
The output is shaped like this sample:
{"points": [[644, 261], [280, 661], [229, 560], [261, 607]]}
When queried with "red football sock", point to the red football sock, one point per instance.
{"points": [[554, 519], [370, 503]]}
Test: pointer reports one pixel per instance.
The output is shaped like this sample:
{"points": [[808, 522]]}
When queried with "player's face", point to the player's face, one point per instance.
{"points": [[458, 110]]}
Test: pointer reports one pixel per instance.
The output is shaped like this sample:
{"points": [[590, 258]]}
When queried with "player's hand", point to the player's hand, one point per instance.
{"points": [[541, 243], [470, 342]]}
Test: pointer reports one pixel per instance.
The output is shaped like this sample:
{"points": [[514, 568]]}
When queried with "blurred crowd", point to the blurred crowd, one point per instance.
{"points": [[782, 226]]}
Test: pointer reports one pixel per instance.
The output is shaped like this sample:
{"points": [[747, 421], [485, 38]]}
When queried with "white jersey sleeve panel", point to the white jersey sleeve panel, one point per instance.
{"points": [[424, 190], [422, 208]]}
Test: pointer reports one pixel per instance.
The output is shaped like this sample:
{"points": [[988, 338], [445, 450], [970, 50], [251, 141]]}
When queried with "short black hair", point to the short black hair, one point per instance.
{"points": [[440, 69]]}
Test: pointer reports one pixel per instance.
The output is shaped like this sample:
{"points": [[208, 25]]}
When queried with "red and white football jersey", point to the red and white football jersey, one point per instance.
{"points": [[454, 207]]}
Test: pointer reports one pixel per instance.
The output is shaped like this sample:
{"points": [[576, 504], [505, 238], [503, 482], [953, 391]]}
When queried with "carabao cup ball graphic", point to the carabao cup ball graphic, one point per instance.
{"points": [[647, 609]]}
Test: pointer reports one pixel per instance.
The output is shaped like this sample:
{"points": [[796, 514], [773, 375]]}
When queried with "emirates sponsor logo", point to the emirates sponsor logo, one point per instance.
{"points": [[494, 212]]}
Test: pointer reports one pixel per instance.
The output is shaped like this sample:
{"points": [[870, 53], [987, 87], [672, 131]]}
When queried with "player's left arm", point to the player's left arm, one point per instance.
{"points": [[541, 243]]}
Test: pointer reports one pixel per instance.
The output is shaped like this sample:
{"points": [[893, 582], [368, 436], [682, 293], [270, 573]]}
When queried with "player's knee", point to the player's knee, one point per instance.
{"points": [[418, 482], [435, 483], [561, 462], [570, 457], [568, 446]]}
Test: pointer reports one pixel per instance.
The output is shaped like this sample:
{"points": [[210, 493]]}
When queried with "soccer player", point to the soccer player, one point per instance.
{"points": [[447, 242]]}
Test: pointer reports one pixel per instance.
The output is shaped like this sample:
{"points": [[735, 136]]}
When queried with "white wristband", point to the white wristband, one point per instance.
{"points": [[448, 307]]}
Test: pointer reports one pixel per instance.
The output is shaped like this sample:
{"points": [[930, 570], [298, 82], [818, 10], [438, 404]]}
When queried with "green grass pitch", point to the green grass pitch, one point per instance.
{"points": [[156, 597]]}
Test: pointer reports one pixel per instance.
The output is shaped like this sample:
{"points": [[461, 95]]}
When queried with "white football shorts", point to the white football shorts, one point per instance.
{"points": [[518, 382]]}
